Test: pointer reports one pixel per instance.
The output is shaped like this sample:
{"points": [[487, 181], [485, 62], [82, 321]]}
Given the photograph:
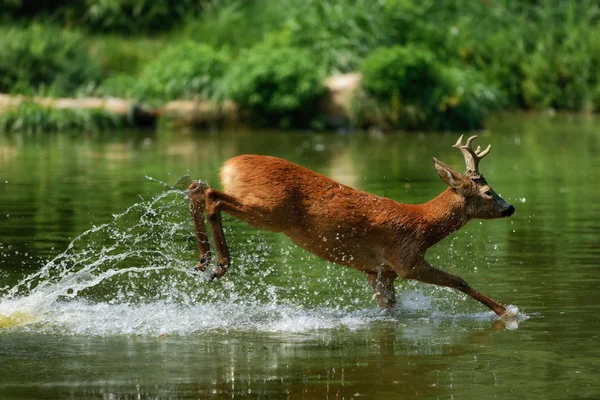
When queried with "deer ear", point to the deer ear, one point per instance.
{"points": [[452, 178]]}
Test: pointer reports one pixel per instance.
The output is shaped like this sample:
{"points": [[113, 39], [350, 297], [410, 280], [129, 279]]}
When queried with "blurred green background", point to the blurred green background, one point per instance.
{"points": [[425, 64]]}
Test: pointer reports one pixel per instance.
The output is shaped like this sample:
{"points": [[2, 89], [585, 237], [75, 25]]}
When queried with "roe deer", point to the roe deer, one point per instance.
{"points": [[381, 237]]}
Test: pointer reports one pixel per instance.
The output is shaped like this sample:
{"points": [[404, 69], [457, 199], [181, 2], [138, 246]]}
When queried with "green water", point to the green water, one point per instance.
{"points": [[97, 300]]}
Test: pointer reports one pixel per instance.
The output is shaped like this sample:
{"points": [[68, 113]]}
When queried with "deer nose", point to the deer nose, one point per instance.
{"points": [[509, 211]]}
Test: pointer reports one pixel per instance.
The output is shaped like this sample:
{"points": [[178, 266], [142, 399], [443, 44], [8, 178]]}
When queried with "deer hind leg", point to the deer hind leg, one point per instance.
{"points": [[383, 285], [197, 208], [428, 274], [205, 199], [216, 202]]}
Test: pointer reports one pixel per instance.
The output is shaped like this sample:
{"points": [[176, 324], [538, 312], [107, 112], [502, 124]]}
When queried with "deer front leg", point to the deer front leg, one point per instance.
{"points": [[197, 206], [428, 274], [383, 285]]}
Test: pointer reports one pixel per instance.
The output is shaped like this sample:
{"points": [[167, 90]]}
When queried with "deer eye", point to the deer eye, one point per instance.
{"points": [[488, 193]]}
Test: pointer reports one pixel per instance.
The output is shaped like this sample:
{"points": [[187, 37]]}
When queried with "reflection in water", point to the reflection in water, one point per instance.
{"points": [[341, 169], [384, 360], [8, 153]]}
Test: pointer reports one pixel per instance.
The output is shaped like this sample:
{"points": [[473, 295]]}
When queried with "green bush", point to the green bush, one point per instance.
{"points": [[122, 16], [118, 85], [44, 57], [406, 88], [596, 98], [133, 16], [408, 73], [338, 33], [399, 84], [540, 54], [464, 99], [30, 117], [499, 52], [184, 70], [124, 55], [277, 86], [562, 74]]}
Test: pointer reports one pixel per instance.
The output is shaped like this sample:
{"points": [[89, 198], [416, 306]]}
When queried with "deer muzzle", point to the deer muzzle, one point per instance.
{"points": [[509, 211]]}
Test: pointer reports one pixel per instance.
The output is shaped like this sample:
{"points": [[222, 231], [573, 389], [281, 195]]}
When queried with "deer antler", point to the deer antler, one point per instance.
{"points": [[472, 157]]}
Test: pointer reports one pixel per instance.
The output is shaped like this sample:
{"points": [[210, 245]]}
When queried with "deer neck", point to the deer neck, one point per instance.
{"points": [[443, 215]]}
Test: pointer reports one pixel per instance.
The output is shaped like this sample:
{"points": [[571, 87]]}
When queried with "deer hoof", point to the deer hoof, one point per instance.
{"points": [[201, 265], [510, 312], [193, 186], [220, 271]]}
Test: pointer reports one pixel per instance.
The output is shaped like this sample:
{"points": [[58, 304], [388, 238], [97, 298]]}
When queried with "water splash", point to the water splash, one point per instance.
{"points": [[132, 276]]}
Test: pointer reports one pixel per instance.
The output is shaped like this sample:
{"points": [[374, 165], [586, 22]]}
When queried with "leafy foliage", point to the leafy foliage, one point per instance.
{"points": [[338, 33], [184, 70], [135, 15], [30, 117], [124, 55], [123, 16], [407, 72], [44, 57], [279, 85], [538, 54], [406, 87], [464, 99]]}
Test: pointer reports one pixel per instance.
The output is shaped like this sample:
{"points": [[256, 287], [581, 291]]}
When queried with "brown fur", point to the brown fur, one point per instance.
{"points": [[379, 236]]}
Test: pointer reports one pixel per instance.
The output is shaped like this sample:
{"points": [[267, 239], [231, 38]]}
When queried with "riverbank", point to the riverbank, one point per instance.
{"points": [[335, 106], [447, 68]]}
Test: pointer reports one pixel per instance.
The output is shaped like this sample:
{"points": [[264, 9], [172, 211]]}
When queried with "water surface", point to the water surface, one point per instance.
{"points": [[97, 299]]}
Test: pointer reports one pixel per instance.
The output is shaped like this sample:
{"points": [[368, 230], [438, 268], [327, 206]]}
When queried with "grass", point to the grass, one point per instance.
{"points": [[30, 117]]}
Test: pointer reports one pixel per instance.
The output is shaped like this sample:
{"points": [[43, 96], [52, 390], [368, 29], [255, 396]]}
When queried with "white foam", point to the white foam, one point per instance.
{"points": [[166, 318]]}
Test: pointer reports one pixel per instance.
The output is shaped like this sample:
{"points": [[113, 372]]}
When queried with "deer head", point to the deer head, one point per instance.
{"points": [[480, 200]]}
